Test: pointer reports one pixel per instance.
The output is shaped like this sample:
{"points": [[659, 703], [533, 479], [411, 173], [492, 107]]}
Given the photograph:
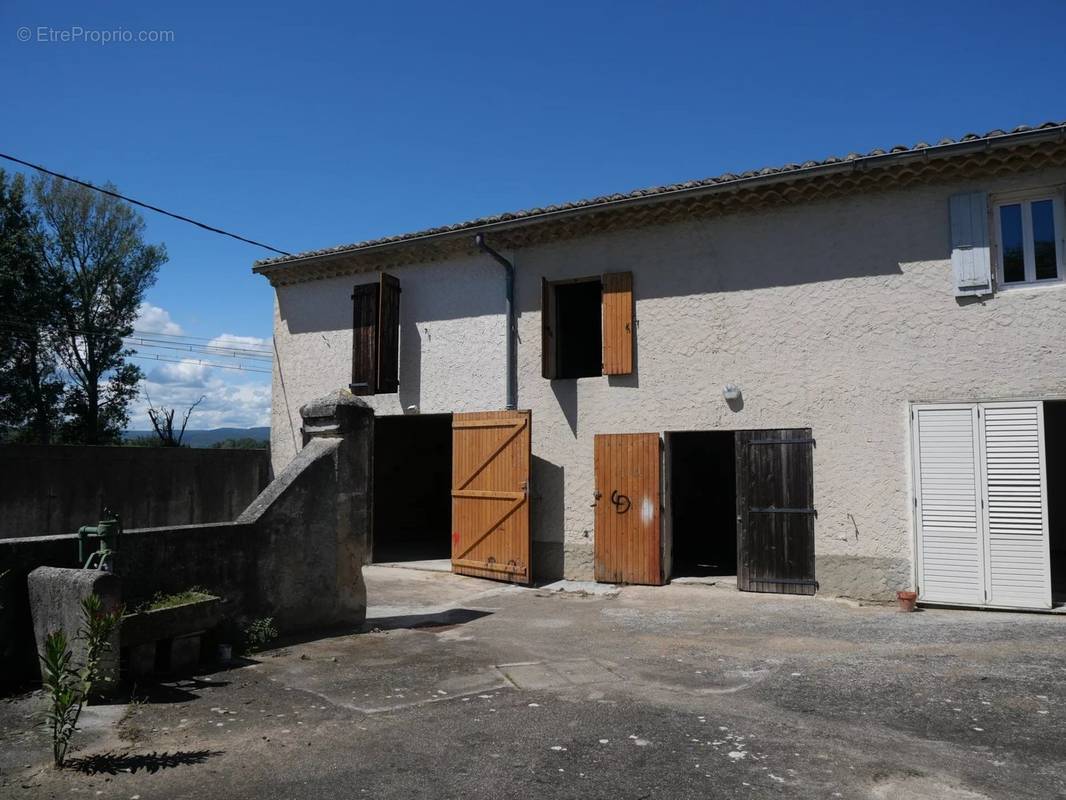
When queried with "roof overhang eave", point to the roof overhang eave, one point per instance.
{"points": [[844, 166]]}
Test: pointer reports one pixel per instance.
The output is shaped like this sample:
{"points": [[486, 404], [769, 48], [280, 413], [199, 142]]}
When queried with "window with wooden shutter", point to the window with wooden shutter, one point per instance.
{"points": [[376, 337], [587, 326]]}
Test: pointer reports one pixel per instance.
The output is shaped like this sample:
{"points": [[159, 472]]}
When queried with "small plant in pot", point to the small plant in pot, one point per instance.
{"points": [[906, 599]]}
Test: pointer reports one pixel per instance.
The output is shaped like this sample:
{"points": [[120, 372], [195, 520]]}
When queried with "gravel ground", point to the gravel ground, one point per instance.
{"points": [[464, 688]]}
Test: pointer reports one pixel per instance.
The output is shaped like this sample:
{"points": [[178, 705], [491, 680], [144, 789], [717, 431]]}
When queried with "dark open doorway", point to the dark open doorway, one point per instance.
{"points": [[412, 487], [703, 503], [1055, 464]]}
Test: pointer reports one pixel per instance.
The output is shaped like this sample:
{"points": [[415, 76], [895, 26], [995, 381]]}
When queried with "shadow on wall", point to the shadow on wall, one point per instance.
{"points": [[632, 380], [471, 289], [813, 243], [548, 509], [566, 395]]}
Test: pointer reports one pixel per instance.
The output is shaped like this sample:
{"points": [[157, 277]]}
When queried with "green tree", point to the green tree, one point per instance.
{"points": [[97, 260], [30, 390]]}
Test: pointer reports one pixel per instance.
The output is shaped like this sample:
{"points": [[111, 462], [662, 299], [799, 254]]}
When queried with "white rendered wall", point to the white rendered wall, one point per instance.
{"points": [[829, 315], [452, 328]]}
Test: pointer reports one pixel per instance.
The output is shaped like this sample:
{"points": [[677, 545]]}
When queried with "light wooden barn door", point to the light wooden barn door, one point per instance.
{"points": [[628, 547], [1017, 548], [490, 495]]}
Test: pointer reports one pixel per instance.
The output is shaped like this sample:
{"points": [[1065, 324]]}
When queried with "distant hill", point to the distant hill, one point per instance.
{"points": [[207, 438]]}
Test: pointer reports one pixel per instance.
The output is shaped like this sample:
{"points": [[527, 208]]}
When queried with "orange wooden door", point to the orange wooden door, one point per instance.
{"points": [[628, 538], [490, 495]]}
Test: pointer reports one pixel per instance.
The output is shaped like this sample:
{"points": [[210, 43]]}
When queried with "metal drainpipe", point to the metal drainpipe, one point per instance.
{"points": [[512, 326]]}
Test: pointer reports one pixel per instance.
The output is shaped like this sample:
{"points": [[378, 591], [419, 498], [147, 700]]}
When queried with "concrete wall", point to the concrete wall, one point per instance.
{"points": [[829, 315], [295, 554], [53, 489]]}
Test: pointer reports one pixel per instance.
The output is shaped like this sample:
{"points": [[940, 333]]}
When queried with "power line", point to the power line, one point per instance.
{"points": [[158, 210], [216, 353], [192, 349], [153, 357], [264, 345], [228, 352], [204, 344]]}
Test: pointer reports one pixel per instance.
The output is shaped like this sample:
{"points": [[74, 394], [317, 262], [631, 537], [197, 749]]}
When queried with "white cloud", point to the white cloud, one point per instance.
{"points": [[233, 340], [187, 373], [232, 398], [242, 401], [153, 319]]}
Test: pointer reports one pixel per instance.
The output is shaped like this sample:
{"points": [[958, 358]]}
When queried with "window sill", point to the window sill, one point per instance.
{"points": [[1012, 288]]}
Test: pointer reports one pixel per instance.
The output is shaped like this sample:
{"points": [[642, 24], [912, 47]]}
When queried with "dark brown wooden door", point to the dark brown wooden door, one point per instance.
{"points": [[490, 495], [628, 547], [775, 511]]}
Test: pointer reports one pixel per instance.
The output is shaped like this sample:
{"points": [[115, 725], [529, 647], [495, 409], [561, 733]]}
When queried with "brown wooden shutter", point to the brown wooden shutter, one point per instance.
{"points": [[547, 336], [388, 333], [617, 323], [364, 339]]}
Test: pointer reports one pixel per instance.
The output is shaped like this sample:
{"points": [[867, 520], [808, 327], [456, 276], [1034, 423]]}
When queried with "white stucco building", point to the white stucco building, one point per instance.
{"points": [[854, 367]]}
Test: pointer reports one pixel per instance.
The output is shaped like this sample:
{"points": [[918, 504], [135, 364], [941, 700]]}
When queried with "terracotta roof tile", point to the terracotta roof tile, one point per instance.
{"points": [[724, 178]]}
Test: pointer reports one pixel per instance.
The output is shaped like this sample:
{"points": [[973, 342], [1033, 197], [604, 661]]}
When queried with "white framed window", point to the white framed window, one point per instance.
{"points": [[1029, 229]]}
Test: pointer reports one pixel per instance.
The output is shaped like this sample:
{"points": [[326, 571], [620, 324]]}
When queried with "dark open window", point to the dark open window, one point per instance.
{"points": [[587, 326], [579, 337], [376, 337]]}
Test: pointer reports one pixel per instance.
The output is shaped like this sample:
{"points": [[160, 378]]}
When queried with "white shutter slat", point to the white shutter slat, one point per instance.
{"points": [[1019, 568], [950, 548], [971, 252]]}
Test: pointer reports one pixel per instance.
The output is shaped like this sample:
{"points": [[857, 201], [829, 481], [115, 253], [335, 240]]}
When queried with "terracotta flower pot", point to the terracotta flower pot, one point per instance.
{"points": [[906, 600]]}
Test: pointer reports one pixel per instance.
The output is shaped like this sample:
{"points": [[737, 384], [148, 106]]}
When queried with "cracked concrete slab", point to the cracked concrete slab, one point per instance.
{"points": [[554, 675]]}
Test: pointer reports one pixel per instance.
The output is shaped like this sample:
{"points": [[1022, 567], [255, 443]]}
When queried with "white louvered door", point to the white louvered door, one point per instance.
{"points": [[1015, 495], [981, 504], [951, 552]]}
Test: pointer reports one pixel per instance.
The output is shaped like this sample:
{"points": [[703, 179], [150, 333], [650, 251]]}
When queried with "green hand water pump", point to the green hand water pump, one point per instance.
{"points": [[106, 531]]}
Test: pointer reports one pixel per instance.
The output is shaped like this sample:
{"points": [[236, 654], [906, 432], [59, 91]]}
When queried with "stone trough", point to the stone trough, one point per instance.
{"points": [[168, 639]]}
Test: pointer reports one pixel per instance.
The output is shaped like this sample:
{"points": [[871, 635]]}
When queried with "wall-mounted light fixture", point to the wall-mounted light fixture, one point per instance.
{"points": [[731, 392], [411, 409]]}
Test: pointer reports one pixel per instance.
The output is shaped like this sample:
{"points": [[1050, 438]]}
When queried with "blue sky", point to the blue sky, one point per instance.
{"points": [[308, 125]]}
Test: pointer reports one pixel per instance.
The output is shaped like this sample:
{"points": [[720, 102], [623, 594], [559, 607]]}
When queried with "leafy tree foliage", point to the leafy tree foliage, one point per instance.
{"points": [[95, 259], [30, 389]]}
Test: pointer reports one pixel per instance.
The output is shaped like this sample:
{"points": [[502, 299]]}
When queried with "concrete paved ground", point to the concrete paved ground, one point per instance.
{"points": [[464, 688]]}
